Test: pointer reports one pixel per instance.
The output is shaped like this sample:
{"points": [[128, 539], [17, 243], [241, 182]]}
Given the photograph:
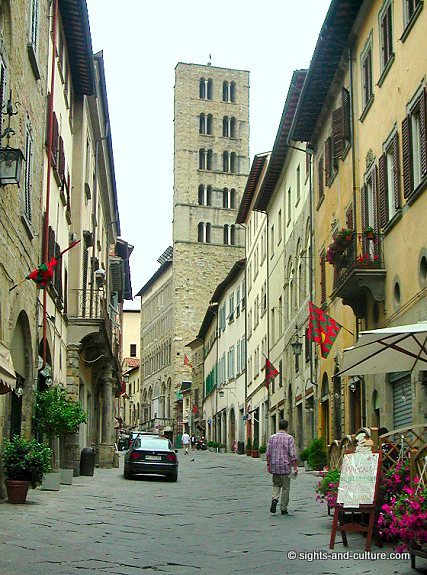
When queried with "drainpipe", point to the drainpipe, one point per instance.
{"points": [[49, 175]]}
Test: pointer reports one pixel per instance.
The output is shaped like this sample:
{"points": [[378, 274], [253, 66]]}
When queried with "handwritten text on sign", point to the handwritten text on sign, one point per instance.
{"points": [[358, 479]]}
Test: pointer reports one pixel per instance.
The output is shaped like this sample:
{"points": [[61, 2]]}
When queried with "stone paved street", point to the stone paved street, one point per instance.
{"points": [[214, 520]]}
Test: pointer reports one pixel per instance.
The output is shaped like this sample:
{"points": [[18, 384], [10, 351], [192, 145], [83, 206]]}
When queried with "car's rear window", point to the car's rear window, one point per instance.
{"points": [[151, 443]]}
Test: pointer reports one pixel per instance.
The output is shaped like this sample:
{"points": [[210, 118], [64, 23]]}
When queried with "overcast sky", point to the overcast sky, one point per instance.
{"points": [[142, 42]]}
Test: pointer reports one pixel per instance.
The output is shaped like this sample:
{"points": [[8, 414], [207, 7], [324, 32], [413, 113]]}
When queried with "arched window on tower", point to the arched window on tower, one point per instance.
{"points": [[205, 195], [229, 234], [228, 91], [205, 124], [205, 89], [204, 232], [205, 159]]}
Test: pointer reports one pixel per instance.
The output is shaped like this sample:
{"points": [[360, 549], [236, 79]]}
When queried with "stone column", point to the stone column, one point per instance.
{"points": [[106, 447], [71, 442]]}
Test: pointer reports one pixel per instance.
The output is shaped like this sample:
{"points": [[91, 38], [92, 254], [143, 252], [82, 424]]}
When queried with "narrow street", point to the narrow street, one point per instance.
{"points": [[214, 520]]}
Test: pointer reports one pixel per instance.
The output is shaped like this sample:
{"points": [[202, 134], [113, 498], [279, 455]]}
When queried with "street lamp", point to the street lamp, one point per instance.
{"points": [[296, 347], [10, 158]]}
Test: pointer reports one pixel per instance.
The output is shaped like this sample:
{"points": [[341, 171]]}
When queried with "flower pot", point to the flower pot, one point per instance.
{"points": [[66, 476], [255, 453], [370, 235], [17, 490], [248, 452]]}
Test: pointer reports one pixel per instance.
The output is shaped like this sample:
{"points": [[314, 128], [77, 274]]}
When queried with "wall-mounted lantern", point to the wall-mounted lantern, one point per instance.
{"points": [[10, 158]]}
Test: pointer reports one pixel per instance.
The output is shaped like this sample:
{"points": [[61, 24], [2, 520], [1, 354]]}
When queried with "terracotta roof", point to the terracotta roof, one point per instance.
{"points": [[280, 148], [334, 37], [131, 361], [75, 21], [251, 186]]}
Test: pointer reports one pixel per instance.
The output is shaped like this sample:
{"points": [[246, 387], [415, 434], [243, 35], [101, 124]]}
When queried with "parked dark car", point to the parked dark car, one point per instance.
{"points": [[151, 455]]}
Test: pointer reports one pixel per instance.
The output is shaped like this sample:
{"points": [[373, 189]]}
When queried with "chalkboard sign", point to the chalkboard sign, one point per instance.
{"points": [[358, 479]]}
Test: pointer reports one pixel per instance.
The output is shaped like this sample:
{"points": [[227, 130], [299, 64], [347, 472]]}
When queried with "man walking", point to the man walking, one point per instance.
{"points": [[281, 456], [185, 441]]}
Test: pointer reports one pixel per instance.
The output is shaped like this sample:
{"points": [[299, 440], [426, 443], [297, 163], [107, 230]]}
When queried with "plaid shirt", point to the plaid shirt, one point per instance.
{"points": [[281, 453]]}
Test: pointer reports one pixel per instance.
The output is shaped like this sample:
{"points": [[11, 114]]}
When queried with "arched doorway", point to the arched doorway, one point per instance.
{"points": [[232, 427], [22, 359], [324, 416]]}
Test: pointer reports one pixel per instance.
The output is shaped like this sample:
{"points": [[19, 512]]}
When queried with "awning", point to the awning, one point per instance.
{"points": [[388, 350], [7, 372]]}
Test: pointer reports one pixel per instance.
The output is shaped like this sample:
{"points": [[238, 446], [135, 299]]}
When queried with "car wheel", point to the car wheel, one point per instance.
{"points": [[172, 478], [127, 474]]}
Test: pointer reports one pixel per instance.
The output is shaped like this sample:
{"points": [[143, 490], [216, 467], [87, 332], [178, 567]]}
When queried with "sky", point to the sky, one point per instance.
{"points": [[142, 41]]}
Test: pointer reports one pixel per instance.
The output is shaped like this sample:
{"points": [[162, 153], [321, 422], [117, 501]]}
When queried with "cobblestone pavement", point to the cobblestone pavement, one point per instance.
{"points": [[214, 520]]}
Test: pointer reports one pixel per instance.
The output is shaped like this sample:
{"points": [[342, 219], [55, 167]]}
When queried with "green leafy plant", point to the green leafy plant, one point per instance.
{"points": [[317, 456], [210, 443], [222, 445], [26, 460], [262, 448], [57, 414], [255, 445], [304, 454], [327, 487]]}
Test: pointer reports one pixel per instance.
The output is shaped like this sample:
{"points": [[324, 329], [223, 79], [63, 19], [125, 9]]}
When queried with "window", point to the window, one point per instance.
{"points": [[229, 162], [204, 233], [412, 9], [272, 239], [205, 159], [228, 91], [243, 295], [280, 316], [205, 89], [329, 168], [256, 311], [323, 277], [231, 308], [289, 200], [229, 198], [229, 234], [369, 210], [298, 184], [34, 25], [231, 362], [243, 352], [366, 64], [205, 124], [229, 127], [263, 298], [132, 352], [414, 145], [279, 226], [386, 35], [388, 175], [28, 184], [321, 189], [249, 323], [205, 195]]}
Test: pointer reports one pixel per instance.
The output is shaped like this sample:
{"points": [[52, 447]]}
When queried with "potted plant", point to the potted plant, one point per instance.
{"points": [[255, 449], [317, 454], [56, 416], [369, 233], [249, 447], [327, 487], [262, 452], [25, 463], [210, 445], [222, 447]]}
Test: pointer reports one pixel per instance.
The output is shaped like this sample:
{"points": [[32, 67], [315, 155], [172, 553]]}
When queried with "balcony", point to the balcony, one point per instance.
{"points": [[359, 272], [90, 314]]}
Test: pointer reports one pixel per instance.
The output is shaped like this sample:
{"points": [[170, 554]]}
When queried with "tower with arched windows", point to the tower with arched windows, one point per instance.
{"points": [[211, 165]]}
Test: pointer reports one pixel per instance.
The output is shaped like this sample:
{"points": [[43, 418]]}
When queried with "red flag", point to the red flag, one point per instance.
{"points": [[322, 329], [195, 409], [270, 372], [43, 273], [187, 361]]}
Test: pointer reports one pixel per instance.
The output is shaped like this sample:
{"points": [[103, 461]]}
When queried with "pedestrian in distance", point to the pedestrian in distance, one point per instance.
{"points": [[185, 442], [193, 442], [281, 457]]}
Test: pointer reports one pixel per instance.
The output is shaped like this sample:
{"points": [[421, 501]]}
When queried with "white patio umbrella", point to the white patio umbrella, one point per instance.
{"points": [[392, 349]]}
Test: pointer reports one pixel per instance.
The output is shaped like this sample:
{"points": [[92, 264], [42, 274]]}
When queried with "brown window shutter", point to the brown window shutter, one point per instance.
{"points": [[407, 156], [396, 173], [323, 276], [383, 190], [375, 204], [337, 132], [346, 115], [364, 210], [55, 136], [320, 176], [61, 160], [68, 188], [423, 133], [349, 219], [328, 160], [51, 245]]}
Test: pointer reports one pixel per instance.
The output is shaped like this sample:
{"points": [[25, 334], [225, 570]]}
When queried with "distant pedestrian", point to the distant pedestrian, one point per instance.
{"points": [[193, 442], [185, 441], [281, 457]]}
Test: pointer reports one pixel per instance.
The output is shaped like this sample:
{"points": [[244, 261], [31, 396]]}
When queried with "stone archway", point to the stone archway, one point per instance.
{"points": [[22, 358]]}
